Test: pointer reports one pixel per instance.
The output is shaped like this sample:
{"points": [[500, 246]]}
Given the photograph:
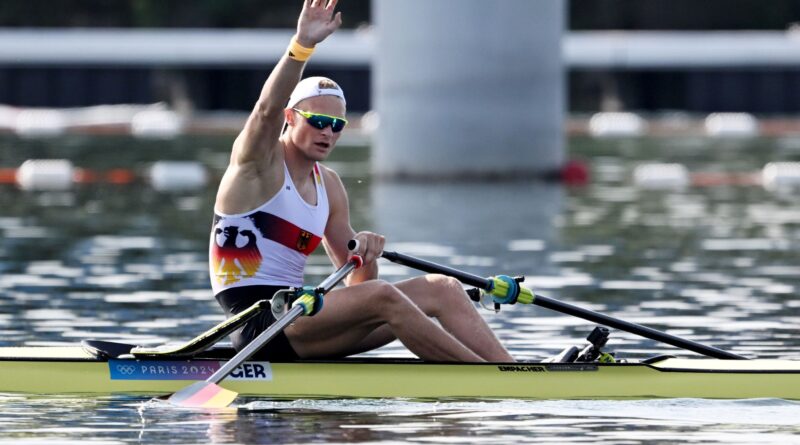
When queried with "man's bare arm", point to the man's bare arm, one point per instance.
{"points": [[258, 141], [339, 232]]}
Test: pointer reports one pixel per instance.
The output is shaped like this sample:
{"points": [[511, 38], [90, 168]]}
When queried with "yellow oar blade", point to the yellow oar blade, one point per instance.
{"points": [[203, 395]]}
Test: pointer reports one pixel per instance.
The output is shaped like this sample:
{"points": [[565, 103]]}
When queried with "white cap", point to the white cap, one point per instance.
{"points": [[313, 87]]}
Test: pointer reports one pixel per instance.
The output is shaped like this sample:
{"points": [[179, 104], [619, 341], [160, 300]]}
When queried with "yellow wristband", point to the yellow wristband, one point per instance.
{"points": [[299, 52]]}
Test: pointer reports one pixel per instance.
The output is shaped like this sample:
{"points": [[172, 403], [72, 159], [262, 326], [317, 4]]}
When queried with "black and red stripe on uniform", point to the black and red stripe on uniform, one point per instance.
{"points": [[254, 254], [269, 245]]}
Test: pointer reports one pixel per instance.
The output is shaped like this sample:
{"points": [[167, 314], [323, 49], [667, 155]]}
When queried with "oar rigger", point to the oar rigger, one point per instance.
{"points": [[505, 290], [283, 300]]}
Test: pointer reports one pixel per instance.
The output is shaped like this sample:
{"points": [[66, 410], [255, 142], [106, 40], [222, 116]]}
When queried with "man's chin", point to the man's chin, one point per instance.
{"points": [[316, 153], [320, 155]]}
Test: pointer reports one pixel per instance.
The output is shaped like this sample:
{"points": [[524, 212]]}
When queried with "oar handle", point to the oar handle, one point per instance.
{"points": [[565, 308]]}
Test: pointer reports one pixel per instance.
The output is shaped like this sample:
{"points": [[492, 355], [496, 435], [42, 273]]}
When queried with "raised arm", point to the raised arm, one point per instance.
{"points": [[258, 141], [255, 170]]}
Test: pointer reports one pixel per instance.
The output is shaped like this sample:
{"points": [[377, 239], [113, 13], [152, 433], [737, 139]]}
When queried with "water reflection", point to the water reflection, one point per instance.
{"points": [[123, 419], [506, 227], [477, 218], [337, 420]]}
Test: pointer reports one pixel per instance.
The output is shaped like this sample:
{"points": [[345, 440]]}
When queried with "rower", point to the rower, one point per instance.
{"points": [[276, 203]]}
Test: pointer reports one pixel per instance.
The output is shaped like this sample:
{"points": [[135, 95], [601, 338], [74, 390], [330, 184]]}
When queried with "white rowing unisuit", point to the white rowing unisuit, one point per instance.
{"points": [[269, 245]]}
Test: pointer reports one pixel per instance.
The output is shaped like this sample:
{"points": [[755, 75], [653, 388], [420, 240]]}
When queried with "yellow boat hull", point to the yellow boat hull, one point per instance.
{"points": [[60, 370]]}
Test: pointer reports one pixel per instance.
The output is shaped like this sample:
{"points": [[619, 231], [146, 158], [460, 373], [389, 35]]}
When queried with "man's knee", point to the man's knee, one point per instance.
{"points": [[444, 282], [383, 294], [447, 289]]}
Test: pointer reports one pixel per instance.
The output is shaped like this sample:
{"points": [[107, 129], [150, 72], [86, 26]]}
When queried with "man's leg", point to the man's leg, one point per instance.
{"points": [[352, 314], [445, 299]]}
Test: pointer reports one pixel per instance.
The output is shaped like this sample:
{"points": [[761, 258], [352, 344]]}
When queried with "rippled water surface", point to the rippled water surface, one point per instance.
{"points": [[715, 264]]}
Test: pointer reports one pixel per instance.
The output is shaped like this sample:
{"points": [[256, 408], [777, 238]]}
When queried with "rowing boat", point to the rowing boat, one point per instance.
{"points": [[100, 368], [202, 373]]}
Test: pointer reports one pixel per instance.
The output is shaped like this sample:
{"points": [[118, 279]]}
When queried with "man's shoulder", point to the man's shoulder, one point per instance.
{"points": [[247, 184], [329, 174], [337, 194], [327, 170]]}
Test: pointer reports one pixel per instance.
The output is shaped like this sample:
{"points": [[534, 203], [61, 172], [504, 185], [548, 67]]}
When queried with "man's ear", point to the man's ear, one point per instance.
{"points": [[288, 116]]}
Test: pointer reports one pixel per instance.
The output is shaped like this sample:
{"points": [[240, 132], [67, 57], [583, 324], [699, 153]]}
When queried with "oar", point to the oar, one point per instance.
{"points": [[207, 338], [527, 296], [208, 394]]}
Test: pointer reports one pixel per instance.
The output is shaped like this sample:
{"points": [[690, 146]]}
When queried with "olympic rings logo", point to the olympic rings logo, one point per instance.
{"points": [[126, 369]]}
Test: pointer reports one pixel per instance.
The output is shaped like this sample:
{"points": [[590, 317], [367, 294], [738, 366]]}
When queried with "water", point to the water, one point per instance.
{"points": [[713, 264], [112, 420]]}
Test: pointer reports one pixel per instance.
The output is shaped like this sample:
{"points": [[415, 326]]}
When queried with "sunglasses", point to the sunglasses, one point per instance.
{"points": [[321, 121]]}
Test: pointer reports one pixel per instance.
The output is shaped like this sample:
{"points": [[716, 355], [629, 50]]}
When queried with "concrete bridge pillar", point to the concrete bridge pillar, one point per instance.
{"points": [[468, 89]]}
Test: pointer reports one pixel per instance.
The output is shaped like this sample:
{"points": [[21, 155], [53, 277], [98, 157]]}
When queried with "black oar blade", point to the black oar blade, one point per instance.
{"points": [[203, 395]]}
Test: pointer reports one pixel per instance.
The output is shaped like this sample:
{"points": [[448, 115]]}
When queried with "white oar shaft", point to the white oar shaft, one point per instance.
{"points": [[288, 318], [334, 279], [262, 339]]}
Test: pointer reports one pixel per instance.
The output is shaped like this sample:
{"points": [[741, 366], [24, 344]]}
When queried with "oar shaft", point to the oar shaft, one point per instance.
{"points": [[262, 339], [634, 328], [427, 266], [206, 339], [288, 318], [334, 279], [539, 300]]}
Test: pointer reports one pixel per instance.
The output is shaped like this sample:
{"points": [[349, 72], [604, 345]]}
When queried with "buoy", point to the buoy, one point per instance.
{"points": [[612, 124], [661, 176], [731, 125], [40, 123], [781, 175], [120, 176], [775, 176], [158, 124], [45, 174], [177, 175], [8, 117], [575, 172], [8, 175]]}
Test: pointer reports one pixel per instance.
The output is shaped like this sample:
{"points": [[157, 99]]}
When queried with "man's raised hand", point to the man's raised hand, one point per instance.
{"points": [[317, 21]]}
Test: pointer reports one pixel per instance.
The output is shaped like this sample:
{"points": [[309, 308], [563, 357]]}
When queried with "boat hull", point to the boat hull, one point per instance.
{"points": [[73, 370]]}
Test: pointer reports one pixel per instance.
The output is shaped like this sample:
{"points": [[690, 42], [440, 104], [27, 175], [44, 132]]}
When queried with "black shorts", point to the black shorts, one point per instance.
{"points": [[237, 299]]}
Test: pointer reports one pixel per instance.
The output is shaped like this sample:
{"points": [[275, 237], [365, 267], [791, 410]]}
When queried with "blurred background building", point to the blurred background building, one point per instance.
{"points": [[643, 55]]}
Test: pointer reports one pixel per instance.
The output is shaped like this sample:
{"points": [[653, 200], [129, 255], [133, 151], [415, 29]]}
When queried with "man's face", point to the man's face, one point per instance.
{"points": [[315, 143]]}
